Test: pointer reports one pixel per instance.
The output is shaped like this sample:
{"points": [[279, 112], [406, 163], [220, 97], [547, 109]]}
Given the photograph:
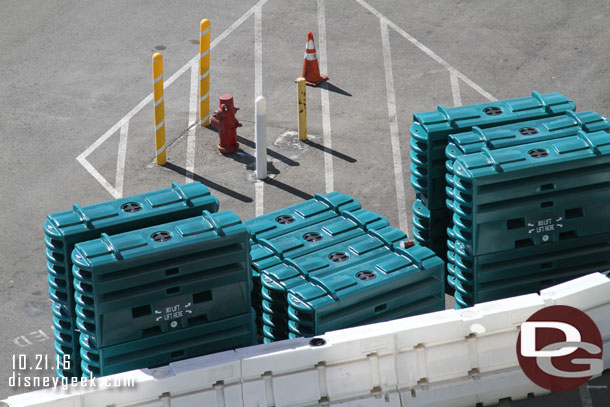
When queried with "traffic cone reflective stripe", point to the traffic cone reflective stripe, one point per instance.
{"points": [[310, 50], [310, 56], [311, 71]]}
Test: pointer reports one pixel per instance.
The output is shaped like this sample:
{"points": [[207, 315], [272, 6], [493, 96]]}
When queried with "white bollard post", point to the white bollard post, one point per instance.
{"points": [[261, 143]]}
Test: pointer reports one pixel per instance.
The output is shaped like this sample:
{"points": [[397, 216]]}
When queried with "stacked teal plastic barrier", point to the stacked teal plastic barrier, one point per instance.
{"points": [[190, 342], [281, 222], [429, 138], [279, 280], [529, 216], [301, 242], [399, 283], [326, 239], [316, 210], [514, 134], [164, 293], [65, 229]]}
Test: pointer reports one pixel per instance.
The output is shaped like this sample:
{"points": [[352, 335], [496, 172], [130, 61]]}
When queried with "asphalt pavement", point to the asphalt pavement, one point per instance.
{"points": [[76, 75]]}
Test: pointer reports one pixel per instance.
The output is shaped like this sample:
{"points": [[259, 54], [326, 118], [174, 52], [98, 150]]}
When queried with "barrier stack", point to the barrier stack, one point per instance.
{"points": [[506, 136], [65, 229], [284, 221], [529, 216], [164, 293], [429, 137], [336, 241], [327, 249], [395, 284]]}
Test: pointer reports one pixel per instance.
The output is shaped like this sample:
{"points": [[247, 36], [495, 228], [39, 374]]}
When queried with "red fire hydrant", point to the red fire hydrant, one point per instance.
{"points": [[224, 120]]}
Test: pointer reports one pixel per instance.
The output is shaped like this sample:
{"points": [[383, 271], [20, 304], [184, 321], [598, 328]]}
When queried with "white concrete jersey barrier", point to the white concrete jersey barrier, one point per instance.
{"points": [[448, 358]]}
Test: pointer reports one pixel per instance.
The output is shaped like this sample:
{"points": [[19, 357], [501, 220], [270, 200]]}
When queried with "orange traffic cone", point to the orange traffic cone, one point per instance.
{"points": [[311, 72]]}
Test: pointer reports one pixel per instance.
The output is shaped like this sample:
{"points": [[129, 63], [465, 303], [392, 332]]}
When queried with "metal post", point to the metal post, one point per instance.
{"points": [[302, 108], [261, 143], [204, 72], [159, 106]]}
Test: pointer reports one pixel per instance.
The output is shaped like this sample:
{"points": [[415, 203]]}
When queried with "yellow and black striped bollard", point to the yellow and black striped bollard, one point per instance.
{"points": [[204, 72], [159, 107]]}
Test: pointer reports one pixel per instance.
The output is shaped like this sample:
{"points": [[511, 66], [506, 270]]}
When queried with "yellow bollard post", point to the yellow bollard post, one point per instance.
{"points": [[159, 107], [302, 109], [204, 72]]}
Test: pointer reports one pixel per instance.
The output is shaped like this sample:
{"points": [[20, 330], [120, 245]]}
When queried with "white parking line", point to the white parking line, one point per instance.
{"points": [[95, 173], [82, 158], [259, 187], [326, 130], [401, 199], [192, 125], [585, 396], [258, 91], [455, 88], [120, 160], [428, 51]]}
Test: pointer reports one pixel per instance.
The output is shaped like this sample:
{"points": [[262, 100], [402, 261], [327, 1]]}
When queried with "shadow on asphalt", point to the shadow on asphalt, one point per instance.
{"points": [[334, 153], [210, 184], [270, 152], [333, 88], [287, 188]]}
